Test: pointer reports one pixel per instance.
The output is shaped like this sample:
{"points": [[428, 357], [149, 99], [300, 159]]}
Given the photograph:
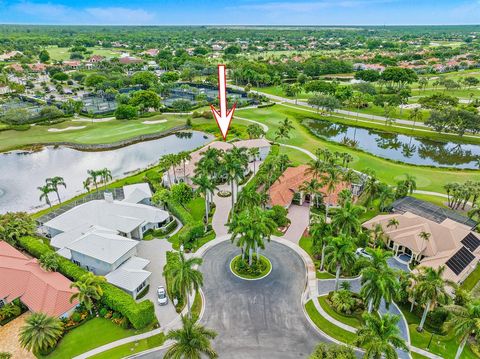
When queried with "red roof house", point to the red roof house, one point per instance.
{"points": [[281, 193], [41, 291]]}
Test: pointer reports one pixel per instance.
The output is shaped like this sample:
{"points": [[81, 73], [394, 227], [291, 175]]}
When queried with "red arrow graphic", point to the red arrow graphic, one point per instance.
{"points": [[224, 117]]}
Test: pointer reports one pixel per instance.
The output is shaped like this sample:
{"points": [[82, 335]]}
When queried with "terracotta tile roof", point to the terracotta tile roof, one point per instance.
{"points": [[40, 291], [282, 191]]}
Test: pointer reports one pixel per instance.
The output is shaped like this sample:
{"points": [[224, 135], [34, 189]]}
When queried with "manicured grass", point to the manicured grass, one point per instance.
{"points": [[428, 178], [472, 280], [443, 345], [266, 263], [197, 304], [324, 275], [138, 346], [196, 207], [94, 333], [62, 53], [351, 320], [325, 326], [92, 133]]}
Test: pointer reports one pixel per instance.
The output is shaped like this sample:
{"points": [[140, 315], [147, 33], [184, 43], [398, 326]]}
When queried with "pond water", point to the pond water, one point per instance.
{"points": [[403, 148], [21, 173]]}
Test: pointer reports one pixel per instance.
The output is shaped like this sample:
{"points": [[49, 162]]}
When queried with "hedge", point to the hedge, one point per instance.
{"points": [[256, 181], [139, 314], [190, 227], [173, 257]]}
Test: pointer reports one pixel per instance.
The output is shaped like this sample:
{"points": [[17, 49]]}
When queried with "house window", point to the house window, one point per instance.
{"points": [[144, 228], [140, 287], [76, 262]]}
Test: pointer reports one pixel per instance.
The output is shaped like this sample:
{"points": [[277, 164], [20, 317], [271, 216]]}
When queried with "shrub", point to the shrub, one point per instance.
{"points": [[103, 312], [76, 317], [279, 215], [139, 314]]}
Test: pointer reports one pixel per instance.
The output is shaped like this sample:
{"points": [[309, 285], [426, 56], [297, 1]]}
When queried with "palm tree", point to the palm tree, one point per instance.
{"points": [[464, 321], [255, 153], [184, 157], [44, 191], [192, 341], [205, 186], [234, 172], [393, 222], [346, 219], [94, 174], [284, 130], [371, 186], [312, 188], [106, 175], [410, 182], [415, 115], [250, 228], [86, 184], [89, 289], [330, 177], [379, 281], [185, 278], [431, 289], [339, 255], [321, 232], [54, 182], [249, 198], [40, 332], [385, 195], [378, 235], [426, 237], [380, 336]]}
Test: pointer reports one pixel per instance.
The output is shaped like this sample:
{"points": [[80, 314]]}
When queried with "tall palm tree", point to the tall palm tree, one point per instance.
{"points": [[385, 196], [312, 188], [249, 198], [425, 236], [330, 178], [106, 175], [284, 130], [378, 235], [339, 255], [380, 336], [184, 157], [346, 219], [40, 332], [431, 289], [321, 232], [379, 281], [254, 152], [393, 222], [233, 171], [464, 322], [94, 174], [89, 290], [205, 186], [410, 182], [192, 341], [44, 191], [371, 186], [250, 228], [185, 277], [86, 184], [415, 115], [54, 182]]}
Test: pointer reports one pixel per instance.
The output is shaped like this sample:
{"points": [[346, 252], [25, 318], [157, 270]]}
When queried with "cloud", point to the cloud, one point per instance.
{"points": [[53, 13]]}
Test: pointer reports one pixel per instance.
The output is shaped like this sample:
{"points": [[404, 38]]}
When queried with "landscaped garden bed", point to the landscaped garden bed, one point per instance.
{"points": [[259, 268]]}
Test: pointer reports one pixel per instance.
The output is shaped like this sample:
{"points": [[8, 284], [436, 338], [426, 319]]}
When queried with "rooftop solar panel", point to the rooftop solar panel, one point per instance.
{"points": [[430, 211], [471, 242], [460, 260]]}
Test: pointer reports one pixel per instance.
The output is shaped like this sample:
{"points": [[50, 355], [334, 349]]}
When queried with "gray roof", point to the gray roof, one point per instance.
{"points": [[116, 215], [129, 275], [136, 193], [106, 247]]}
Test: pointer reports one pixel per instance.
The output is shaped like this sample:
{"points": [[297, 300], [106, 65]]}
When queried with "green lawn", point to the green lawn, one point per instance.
{"points": [[472, 280], [428, 178], [62, 53], [325, 326], [443, 345], [351, 320], [92, 334], [138, 346], [92, 133], [196, 207]]}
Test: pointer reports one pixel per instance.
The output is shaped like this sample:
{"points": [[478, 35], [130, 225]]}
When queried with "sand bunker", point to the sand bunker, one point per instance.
{"points": [[70, 128], [153, 122]]}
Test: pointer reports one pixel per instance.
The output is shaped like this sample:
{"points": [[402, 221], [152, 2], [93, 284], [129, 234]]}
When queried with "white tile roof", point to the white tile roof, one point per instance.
{"points": [[135, 193], [130, 275], [115, 215], [106, 247]]}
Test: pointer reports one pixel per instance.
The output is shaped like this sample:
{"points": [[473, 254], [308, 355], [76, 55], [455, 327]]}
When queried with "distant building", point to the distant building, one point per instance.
{"points": [[151, 52], [96, 58], [41, 291], [10, 55], [71, 64]]}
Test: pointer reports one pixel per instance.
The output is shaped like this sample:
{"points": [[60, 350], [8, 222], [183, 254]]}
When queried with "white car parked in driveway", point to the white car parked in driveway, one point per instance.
{"points": [[362, 252], [162, 295]]}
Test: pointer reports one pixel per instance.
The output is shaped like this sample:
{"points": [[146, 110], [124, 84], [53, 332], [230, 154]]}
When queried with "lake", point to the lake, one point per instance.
{"points": [[21, 173], [398, 147]]}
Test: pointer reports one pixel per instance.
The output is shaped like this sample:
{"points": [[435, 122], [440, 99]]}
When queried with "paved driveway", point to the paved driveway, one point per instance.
{"points": [[9, 338], [154, 251], [299, 216]]}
